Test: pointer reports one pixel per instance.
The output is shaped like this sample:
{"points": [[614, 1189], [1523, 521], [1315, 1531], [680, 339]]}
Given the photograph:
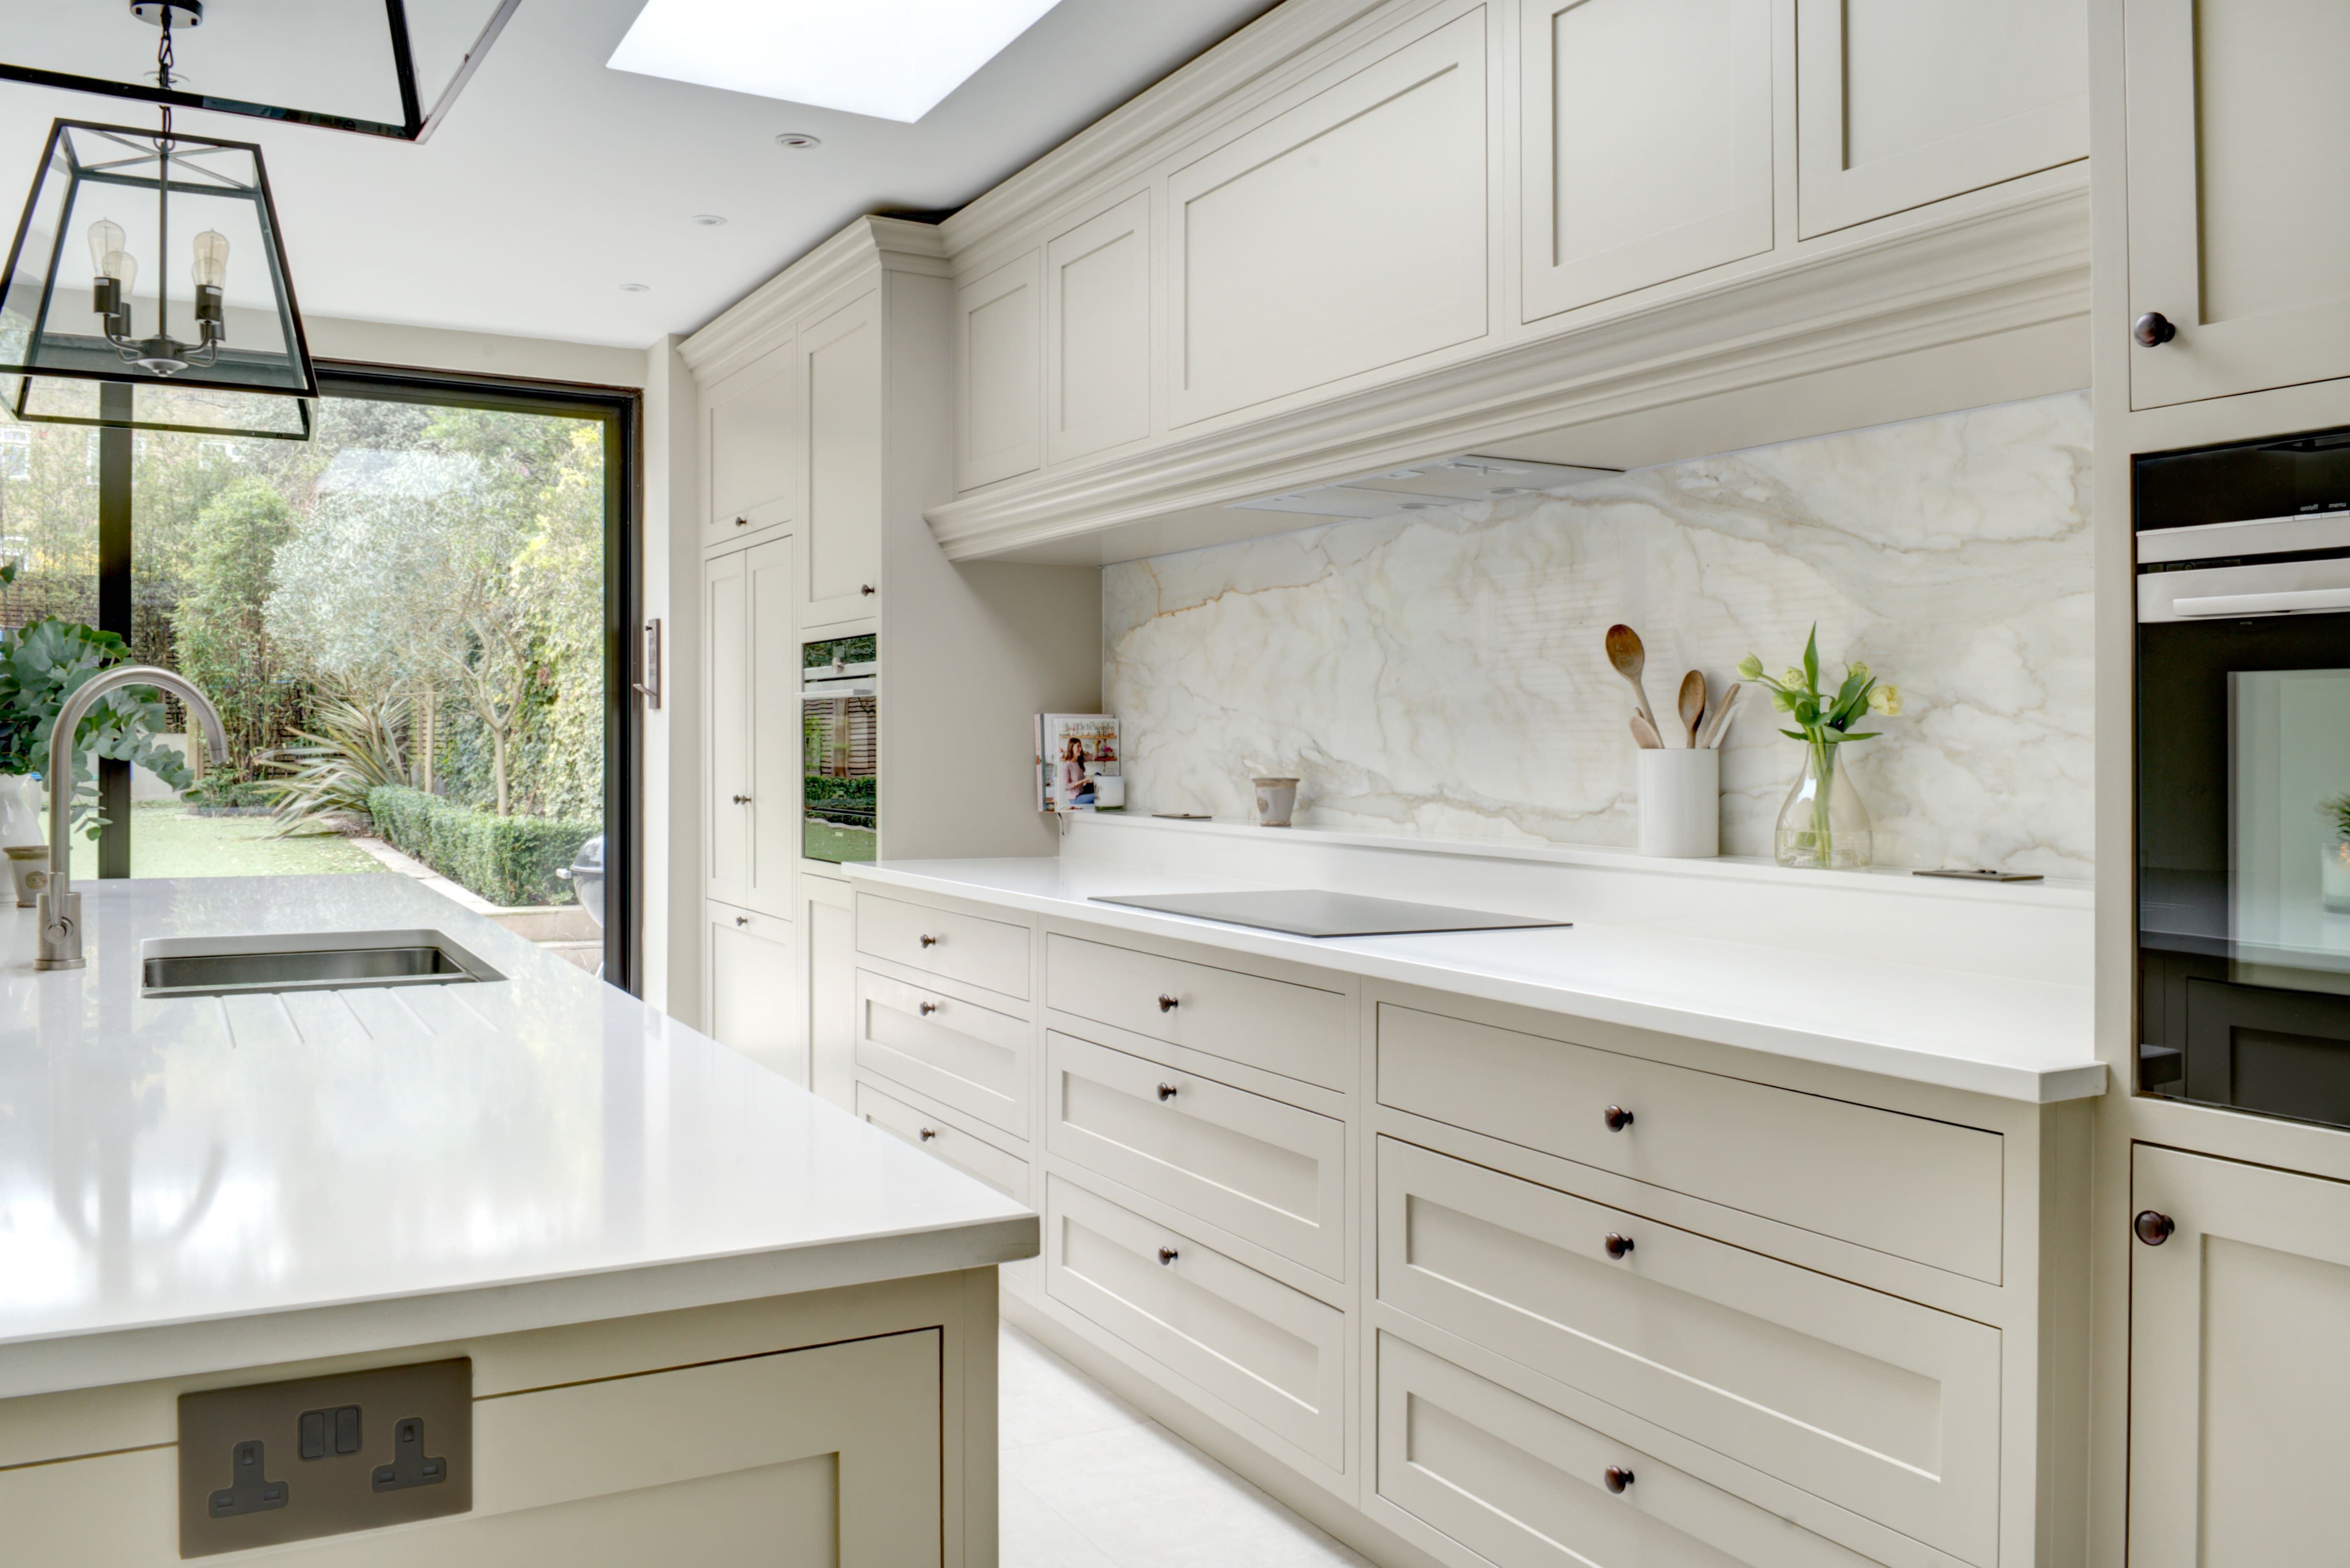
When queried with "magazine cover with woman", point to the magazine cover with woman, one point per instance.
{"points": [[1077, 762]]}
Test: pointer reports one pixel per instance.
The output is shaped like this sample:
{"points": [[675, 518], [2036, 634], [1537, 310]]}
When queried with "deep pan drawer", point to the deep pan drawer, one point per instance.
{"points": [[960, 1055], [1273, 1352], [1007, 1173], [1878, 1405], [1260, 1168], [1525, 1487], [968, 948], [1297, 1030], [1922, 1189]]}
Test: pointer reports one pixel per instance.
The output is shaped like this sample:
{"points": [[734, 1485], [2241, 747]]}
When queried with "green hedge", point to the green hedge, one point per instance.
{"points": [[509, 860]]}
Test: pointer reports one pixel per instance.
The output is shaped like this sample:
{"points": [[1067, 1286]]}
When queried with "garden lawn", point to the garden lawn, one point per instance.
{"points": [[167, 840], [824, 840]]}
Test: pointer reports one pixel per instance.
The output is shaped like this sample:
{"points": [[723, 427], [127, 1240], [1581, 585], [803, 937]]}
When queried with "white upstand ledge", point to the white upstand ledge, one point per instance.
{"points": [[1767, 1188]]}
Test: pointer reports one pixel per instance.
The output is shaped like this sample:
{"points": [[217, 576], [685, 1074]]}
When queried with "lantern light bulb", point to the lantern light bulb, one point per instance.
{"points": [[105, 240], [211, 268], [122, 267]]}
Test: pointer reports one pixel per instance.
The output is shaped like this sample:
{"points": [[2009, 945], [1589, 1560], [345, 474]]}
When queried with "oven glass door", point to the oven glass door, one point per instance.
{"points": [[2243, 801], [839, 816]]}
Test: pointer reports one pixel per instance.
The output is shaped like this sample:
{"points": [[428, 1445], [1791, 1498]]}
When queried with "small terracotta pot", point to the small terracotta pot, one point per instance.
{"points": [[1275, 799]]}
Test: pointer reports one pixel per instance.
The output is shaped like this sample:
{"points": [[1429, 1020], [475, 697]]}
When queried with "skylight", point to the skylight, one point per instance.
{"points": [[893, 59]]}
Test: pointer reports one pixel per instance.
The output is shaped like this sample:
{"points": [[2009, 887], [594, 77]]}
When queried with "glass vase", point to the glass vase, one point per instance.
{"points": [[1824, 825]]}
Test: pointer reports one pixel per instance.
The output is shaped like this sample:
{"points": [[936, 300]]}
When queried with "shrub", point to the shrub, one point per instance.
{"points": [[509, 860]]}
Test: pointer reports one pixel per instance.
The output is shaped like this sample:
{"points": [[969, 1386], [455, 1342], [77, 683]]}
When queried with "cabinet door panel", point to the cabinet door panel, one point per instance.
{"points": [[829, 918], [840, 396], [1902, 102], [1647, 143], [997, 317], [752, 992], [1097, 310], [726, 752], [770, 604], [2239, 1373], [2237, 120], [1343, 235], [748, 438]]}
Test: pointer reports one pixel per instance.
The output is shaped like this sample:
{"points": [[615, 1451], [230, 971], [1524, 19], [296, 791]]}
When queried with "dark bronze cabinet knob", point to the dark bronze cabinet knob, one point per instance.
{"points": [[742, 919], [742, 800], [1616, 1117], [929, 1133], [927, 1008], [929, 942], [1166, 1256], [1167, 1004], [741, 522], [1618, 1478], [2152, 330], [866, 589], [1619, 1246], [2153, 1229], [1166, 1093]]}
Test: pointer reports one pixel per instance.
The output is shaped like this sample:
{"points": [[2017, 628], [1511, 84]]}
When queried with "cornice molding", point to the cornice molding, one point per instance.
{"points": [[756, 323], [2014, 263]]}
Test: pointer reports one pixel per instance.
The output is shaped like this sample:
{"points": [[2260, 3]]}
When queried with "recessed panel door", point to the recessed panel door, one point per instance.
{"points": [[726, 727], [773, 699], [840, 403]]}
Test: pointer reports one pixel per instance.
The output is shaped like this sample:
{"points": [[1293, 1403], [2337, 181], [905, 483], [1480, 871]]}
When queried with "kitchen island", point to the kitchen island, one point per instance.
{"points": [[688, 1306]]}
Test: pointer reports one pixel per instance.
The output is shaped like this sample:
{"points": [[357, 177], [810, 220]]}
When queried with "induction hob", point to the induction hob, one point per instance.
{"points": [[1311, 912]]}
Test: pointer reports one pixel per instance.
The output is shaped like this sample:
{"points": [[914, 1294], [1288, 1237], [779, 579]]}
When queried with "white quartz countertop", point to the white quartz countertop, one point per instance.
{"points": [[2017, 1039], [197, 1184]]}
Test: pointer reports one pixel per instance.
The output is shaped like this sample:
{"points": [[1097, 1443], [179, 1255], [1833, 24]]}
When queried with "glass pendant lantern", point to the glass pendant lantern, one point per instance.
{"points": [[212, 344]]}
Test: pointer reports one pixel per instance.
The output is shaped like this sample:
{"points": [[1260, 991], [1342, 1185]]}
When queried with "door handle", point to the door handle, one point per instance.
{"points": [[2153, 1229], [1616, 1117], [742, 800], [2152, 330], [2285, 602], [1618, 1244]]}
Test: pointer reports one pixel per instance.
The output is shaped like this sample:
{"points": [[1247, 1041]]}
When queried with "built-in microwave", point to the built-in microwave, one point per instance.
{"points": [[2243, 775], [840, 819]]}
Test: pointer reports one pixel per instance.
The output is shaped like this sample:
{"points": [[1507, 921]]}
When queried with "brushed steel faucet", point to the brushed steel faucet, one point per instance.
{"points": [[60, 906]]}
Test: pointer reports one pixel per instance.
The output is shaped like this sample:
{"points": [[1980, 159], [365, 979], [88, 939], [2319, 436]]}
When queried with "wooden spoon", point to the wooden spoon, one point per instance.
{"points": [[1645, 735], [1717, 722], [1625, 652], [1692, 703]]}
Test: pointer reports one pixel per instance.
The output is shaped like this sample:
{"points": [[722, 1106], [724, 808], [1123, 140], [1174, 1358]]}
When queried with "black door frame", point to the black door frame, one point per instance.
{"points": [[620, 411]]}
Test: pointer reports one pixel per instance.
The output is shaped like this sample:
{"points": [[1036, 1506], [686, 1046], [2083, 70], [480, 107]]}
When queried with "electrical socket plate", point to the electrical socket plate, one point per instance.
{"points": [[243, 1481]]}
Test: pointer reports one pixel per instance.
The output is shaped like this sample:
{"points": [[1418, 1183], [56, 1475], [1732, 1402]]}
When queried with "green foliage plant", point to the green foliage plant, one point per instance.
{"points": [[46, 662], [509, 860], [1823, 721], [352, 750]]}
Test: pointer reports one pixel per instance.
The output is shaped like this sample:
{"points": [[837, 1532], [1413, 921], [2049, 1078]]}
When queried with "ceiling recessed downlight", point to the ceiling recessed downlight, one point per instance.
{"points": [[636, 288], [709, 221], [892, 59], [798, 140]]}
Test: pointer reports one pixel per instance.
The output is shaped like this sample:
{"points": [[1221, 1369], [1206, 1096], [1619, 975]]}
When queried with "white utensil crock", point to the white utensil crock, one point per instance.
{"points": [[1680, 802], [20, 811]]}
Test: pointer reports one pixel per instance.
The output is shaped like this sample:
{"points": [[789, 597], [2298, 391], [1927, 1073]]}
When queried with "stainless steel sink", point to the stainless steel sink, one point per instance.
{"points": [[322, 961]]}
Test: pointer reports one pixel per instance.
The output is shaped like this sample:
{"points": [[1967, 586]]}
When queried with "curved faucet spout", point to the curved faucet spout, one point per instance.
{"points": [[60, 945]]}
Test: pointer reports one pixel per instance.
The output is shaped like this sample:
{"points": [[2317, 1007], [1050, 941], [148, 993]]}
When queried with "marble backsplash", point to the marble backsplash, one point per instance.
{"points": [[1443, 673]]}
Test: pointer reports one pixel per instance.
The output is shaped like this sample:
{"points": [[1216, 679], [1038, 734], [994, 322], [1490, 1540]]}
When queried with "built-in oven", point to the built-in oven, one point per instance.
{"points": [[2243, 775], [840, 816]]}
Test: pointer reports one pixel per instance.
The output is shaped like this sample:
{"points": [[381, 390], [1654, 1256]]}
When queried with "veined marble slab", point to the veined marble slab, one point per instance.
{"points": [[1443, 673]]}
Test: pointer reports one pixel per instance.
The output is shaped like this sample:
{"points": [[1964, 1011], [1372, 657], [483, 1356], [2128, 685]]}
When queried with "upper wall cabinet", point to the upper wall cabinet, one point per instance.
{"points": [[1647, 140], [747, 453], [998, 353], [1903, 102], [840, 401], [1097, 333], [2239, 134], [1342, 231]]}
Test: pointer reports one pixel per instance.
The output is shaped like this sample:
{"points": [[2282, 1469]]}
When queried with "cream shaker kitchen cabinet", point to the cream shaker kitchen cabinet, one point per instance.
{"points": [[1903, 102], [751, 666], [839, 358], [1340, 232], [2238, 138], [828, 927], [999, 391], [750, 982], [2239, 1372], [1647, 143], [1097, 333], [750, 469]]}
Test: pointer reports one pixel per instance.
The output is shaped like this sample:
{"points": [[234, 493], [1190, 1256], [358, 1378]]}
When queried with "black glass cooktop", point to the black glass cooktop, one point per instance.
{"points": [[1311, 912]]}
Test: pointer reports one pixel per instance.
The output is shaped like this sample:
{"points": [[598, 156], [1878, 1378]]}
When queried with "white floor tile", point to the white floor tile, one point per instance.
{"points": [[1031, 1536], [1131, 1489], [1040, 1398]]}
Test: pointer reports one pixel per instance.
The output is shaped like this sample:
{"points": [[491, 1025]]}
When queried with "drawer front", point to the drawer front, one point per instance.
{"points": [[1271, 1352], [958, 1054], [1297, 1030], [1007, 1173], [1525, 1487], [1260, 1168], [968, 948], [1883, 1407], [1926, 1190]]}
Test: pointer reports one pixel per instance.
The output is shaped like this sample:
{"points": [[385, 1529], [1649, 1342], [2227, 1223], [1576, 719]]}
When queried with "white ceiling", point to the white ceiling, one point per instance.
{"points": [[555, 180]]}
